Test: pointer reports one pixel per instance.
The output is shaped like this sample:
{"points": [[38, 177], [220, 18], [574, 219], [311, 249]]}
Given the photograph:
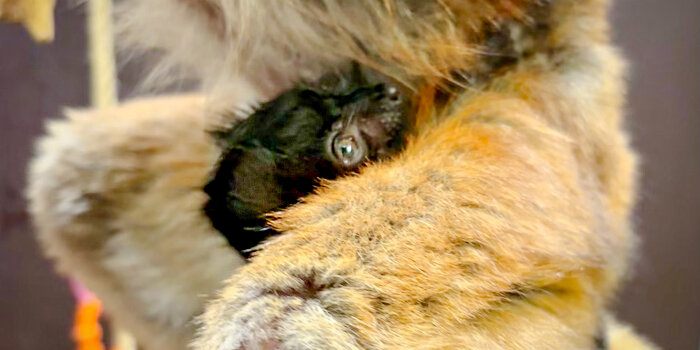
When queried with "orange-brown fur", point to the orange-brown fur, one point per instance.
{"points": [[505, 224]]}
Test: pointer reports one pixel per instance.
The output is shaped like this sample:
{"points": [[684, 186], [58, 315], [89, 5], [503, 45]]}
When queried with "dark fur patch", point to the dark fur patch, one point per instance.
{"points": [[504, 45], [601, 339], [310, 288], [428, 303]]}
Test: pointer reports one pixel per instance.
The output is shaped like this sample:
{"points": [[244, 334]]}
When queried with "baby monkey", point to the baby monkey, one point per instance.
{"points": [[279, 153]]}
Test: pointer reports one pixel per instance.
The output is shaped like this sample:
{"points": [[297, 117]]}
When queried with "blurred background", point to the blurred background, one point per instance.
{"points": [[660, 38]]}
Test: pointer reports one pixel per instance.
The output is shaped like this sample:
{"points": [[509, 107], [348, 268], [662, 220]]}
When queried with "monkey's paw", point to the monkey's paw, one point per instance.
{"points": [[285, 308]]}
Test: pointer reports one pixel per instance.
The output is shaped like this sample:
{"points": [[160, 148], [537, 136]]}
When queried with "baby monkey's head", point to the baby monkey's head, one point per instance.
{"points": [[317, 131]]}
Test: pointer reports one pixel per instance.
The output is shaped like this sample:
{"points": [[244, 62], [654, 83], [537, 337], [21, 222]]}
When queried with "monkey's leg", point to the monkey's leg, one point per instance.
{"points": [[503, 225], [116, 196]]}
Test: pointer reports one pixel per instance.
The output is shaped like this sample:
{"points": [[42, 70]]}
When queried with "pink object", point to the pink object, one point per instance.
{"points": [[81, 293]]}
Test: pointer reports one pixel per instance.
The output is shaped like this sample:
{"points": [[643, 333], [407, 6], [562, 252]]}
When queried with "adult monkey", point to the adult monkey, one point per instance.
{"points": [[505, 222]]}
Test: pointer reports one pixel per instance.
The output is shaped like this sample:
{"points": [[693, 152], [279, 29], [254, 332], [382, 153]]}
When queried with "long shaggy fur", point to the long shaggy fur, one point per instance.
{"points": [[410, 39], [116, 197], [505, 224]]}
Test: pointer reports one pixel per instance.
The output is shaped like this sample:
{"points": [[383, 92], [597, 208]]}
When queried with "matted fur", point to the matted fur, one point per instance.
{"points": [[505, 224]]}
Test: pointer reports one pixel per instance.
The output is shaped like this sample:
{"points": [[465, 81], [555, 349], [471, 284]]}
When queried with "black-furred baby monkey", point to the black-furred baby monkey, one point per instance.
{"points": [[279, 153]]}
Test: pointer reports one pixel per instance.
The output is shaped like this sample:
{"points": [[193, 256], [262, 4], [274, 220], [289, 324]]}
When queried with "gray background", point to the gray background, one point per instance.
{"points": [[661, 38]]}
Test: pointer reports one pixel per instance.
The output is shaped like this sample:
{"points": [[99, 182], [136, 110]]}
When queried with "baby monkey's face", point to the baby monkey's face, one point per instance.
{"points": [[371, 126], [372, 119]]}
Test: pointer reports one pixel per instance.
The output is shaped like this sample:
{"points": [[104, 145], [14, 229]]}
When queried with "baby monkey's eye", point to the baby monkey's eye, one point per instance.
{"points": [[348, 151]]}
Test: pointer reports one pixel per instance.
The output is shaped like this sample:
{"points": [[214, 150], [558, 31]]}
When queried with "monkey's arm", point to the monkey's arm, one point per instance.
{"points": [[502, 226], [116, 196]]}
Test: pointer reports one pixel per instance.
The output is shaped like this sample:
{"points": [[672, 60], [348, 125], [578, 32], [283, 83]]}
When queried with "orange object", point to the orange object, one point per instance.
{"points": [[87, 331]]}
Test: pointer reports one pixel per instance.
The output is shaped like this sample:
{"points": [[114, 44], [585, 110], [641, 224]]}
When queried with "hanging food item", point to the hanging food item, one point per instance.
{"points": [[35, 15]]}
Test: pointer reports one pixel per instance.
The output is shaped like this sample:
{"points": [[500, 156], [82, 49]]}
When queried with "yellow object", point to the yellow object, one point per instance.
{"points": [[122, 340], [103, 73], [35, 15]]}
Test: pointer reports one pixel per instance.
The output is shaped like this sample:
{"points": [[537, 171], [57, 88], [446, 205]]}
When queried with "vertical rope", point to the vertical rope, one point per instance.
{"points": [[103, 73], [103, 93]]}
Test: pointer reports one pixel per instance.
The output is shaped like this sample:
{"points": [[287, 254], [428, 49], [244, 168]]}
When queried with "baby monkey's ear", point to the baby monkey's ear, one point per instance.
{"points": [[221, 128], [219, 136]]}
